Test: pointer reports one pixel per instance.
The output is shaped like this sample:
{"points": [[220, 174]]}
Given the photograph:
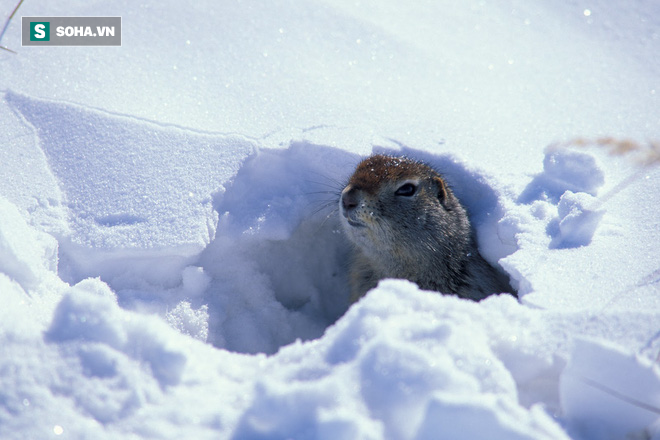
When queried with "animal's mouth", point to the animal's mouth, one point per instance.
{"points": [[355, 224], [352, 221]]}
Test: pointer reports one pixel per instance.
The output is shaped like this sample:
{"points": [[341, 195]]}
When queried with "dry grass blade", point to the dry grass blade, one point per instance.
{"points": [[4, 29], [648, 154], [617, 395]]}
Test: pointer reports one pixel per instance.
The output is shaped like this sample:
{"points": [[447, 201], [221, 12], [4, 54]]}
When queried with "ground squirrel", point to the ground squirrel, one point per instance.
{"points": [[405, 222]]}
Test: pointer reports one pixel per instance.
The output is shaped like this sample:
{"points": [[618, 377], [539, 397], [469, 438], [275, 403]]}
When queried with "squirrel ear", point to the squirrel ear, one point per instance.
{"points": [[442, 189]]}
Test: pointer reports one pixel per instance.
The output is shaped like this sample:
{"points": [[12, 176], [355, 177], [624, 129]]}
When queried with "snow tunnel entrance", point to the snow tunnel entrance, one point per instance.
{"points": [[279, 259]]}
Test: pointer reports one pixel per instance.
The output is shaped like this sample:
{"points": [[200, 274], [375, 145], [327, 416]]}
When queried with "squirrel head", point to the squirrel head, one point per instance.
{"points": [[396, 204]]}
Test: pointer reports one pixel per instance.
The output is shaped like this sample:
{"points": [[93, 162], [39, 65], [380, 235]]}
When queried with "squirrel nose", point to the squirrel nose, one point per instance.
{"points": [[349, 199]]}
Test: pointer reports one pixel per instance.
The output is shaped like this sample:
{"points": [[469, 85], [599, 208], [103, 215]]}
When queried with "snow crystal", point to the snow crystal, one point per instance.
{"points": [[190, 322]]}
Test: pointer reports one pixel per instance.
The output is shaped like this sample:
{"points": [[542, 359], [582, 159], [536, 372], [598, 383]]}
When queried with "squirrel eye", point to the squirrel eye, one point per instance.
{"points": [[406, 190]]}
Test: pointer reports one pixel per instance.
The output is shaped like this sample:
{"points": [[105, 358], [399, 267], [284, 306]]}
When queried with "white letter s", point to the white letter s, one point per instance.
{"points": [[39, 31]]}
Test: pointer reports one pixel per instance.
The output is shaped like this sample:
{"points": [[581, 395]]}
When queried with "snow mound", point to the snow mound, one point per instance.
{"points": [[564, 170], [89, 314], [577, 221], [400, 364], [98, 364]]}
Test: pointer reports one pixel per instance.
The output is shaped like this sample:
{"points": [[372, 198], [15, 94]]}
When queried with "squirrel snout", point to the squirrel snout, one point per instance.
{"points": [[349, 199]]}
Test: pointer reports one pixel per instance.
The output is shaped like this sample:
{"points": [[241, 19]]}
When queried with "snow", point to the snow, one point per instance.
{"points": [[171, 264], [593, 374]]}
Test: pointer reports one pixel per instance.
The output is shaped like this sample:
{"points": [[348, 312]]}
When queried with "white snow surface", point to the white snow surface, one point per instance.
{"points": [[171, 263]]}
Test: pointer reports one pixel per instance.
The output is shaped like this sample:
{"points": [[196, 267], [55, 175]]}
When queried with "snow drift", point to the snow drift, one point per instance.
{"points": [[171, 264]]}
